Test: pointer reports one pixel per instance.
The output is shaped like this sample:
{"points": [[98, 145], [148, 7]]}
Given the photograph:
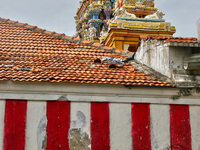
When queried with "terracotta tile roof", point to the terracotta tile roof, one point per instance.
{"points": [[171, 39], [28, 53]]}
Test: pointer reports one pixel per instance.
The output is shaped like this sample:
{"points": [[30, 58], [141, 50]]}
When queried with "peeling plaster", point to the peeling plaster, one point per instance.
{"points": [[63, 98], [183, 92], [78, 140], [41, 134], [167, 148], [156, 142], [80, 122]]}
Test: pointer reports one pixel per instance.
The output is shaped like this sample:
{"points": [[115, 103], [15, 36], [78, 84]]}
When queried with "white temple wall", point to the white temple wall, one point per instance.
{"points": [[177, 55], [96, 117], [154, 54]]}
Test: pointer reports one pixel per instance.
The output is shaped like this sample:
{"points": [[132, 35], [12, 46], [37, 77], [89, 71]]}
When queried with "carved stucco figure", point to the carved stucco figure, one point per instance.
{"points": [[76, 19], [122, 13], [127, 14], [157, 15], [86, 13], [86, 37], [92, 32], [102, 34], [85, 32]]}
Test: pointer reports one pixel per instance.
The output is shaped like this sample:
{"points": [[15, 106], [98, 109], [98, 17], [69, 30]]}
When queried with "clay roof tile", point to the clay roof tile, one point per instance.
{"points": [[20, 24], [171, 39], [45, 56]]}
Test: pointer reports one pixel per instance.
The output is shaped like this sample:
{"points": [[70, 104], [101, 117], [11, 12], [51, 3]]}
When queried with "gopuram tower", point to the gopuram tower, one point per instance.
{"points": [[120, 23]]}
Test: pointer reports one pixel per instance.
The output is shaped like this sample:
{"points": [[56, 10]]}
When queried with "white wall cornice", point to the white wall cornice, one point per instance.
{"points": [[93, 92], [184, 44], [47, 87]]}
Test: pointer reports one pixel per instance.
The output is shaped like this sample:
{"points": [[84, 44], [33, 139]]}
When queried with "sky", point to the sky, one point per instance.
{"points": [[58, 15]]}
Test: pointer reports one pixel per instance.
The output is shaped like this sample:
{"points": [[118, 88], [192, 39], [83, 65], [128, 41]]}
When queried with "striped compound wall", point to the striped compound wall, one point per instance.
{"points": [[36, 125]]}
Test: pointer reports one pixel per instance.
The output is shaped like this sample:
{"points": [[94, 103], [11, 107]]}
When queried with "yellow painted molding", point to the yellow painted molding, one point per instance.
{"points": [[133, 43], [118, 38]]}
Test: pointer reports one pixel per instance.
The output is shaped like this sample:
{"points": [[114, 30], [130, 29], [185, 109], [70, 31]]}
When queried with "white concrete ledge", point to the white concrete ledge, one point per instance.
{"points": [[184, 44], [47, 87], [191, 100], [93, 92]]}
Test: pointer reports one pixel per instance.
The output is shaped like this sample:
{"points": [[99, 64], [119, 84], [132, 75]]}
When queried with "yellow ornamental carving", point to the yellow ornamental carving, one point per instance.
{"points": [[148, 3], [131, 2]]}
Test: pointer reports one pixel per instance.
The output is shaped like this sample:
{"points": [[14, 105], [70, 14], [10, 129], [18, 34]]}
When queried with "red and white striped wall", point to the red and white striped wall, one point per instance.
{"points": [[34, 125]]}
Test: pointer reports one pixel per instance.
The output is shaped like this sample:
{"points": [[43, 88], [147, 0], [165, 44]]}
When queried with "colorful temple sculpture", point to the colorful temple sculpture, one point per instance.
{"points": [[120, 23]]}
